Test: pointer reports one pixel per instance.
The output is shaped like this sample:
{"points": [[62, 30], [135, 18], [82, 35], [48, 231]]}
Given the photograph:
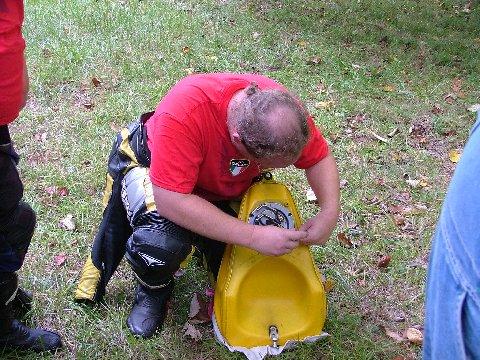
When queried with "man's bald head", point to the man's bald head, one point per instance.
{"points": [[270, 123]]}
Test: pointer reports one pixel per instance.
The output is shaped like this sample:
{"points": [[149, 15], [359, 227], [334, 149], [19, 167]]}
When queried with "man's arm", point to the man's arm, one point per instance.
{"points": [[200, 216], [324, 180]]}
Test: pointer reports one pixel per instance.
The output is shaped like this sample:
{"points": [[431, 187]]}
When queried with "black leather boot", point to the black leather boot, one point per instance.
{"points": [[13, 334], [22, 303], [149, 310]]}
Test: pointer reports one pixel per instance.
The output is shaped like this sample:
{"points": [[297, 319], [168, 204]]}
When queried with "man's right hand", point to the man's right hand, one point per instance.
{"points": [[272, 240]]}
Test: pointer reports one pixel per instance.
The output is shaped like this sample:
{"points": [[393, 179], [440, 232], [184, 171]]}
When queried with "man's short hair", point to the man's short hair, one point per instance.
{"points": [[265, 135]]}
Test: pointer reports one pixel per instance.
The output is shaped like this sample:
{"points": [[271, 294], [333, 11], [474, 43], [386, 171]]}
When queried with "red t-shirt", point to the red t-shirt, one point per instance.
{"points": [[12, 46], [191, 150]]}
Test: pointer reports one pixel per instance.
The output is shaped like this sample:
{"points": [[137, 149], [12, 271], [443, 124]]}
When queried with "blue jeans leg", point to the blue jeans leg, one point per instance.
{"points": [[452, 324]]}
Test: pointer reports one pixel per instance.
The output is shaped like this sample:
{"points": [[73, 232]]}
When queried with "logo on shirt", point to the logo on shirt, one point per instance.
{"points": [[237, 166]]}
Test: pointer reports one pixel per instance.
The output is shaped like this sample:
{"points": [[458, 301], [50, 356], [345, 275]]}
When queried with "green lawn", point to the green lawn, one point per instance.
{"points": [[365, 69]]}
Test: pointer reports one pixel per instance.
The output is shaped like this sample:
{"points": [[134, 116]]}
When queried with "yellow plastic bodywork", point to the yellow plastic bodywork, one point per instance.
{"points": [[254, 291]]}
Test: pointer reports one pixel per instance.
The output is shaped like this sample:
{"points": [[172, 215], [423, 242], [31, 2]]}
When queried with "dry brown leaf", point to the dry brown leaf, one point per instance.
{"points": [[388, 88], [450, 98], [393, 334], [328, 285], [63, 191], [186, 49], [198, 310], [189, 330], [88, 105], [457, 85], [436, 109], [96, 82], [384, 261], [399, 220], [415, 336], [454, 156], [327, 105], [344, 240]]}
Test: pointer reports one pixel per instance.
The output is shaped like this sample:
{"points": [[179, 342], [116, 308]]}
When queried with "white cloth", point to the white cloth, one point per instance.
{"points": [[259, 352]]}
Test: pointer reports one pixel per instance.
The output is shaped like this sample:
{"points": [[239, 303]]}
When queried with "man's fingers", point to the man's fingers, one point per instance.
{"points": [[299, 235]]}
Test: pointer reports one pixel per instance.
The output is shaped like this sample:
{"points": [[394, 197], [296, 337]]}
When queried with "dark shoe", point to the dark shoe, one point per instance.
{"points": [[149, 310], [22, 303], [21, 337]]}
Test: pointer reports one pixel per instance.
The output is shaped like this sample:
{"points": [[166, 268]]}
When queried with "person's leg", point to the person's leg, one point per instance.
{"points": [[452, 325], [17, 223], [155, 251]]}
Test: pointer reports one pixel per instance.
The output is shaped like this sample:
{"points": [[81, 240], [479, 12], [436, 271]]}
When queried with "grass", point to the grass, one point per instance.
{"points": [[411, 66]]}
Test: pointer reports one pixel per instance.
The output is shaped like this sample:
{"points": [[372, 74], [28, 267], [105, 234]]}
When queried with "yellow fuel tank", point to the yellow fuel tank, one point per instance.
{"points": [[266, 300]]}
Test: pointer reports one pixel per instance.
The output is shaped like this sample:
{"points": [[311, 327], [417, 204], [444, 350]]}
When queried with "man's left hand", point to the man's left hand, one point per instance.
{"points": [[319, 228]]}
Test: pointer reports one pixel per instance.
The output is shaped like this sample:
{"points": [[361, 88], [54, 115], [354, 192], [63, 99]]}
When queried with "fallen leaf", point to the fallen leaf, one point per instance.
{"points": [[399, 220], [314, 61], [388, 88], [415, 336], [115, 127], [302, 43], [96, 82], [474, 108], [344, 240], [59, 259], [186, 49], [189, 330], [328, 285], [198, 310], [454, 156], [384, 261], [67, 223], [327, 105], [63, 191], [450, 98], [88, 105], [393, 334], [457, 85], [423, 183], [436, 109]]}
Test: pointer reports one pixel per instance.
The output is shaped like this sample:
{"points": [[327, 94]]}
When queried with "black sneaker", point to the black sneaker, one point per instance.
{"points": [[149, 310], [22, 337]]}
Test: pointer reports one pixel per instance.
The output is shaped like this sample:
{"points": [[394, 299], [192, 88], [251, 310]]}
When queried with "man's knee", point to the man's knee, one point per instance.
{"points": [[15, 237], [155, 255]]}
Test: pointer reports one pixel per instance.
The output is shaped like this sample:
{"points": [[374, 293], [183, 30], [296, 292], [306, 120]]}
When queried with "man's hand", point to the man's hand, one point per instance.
{"points": [[272, 240], [319, 228]]}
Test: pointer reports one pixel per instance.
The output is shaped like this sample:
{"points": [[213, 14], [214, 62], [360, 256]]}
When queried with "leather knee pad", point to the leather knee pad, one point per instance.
{"points": [[20, 230], [155, 255]]}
